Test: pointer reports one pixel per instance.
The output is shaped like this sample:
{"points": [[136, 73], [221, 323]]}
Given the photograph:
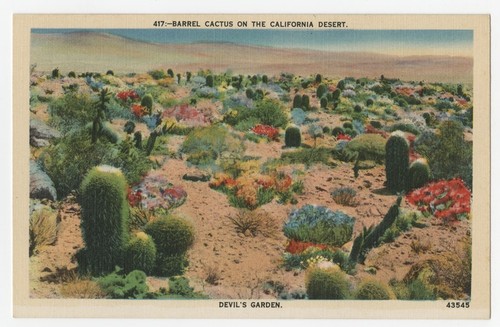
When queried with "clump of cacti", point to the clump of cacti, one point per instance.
{"points": [[372, 290], [396, 162], [293, 137], [419, 173], [103, 220]]}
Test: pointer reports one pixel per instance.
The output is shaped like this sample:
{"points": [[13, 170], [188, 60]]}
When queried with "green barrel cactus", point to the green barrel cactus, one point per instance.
{"points": [[396, 162]]}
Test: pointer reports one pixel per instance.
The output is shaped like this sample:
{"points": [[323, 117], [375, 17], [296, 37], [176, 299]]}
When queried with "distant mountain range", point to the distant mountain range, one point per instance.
{"points": [[92, 51]]}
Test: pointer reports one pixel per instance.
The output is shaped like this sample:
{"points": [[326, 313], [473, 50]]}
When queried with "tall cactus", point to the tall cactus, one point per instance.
{"points": [[396, 162], [103, 221], [292, 137]]}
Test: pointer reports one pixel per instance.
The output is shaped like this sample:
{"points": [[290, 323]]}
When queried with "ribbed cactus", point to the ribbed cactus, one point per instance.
{"points": [[140, 254], [210, 81], [396, 162], [305, 102], [419, 173], [103, 220], [147, 101], [323, 102], [293, 137], [297, 101], [321, 90]]}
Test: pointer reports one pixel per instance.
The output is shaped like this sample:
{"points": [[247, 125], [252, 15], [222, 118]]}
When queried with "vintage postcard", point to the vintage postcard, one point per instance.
{"points": [[252, 166]]}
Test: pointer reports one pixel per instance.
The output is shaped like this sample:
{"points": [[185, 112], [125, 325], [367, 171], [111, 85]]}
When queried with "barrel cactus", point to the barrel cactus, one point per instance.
{"points": [[140, 254], [419, 173], [396, 162], [293, 137], [104, 219], [147, 101]]}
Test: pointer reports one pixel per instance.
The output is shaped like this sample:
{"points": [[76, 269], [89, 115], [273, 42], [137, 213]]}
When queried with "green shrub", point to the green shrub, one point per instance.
{"points": [[270, 112], [404, 127], [170, 72], [319, 78], [368, 147], [319, 225], [71, 157], [265, 79], [369, 102], [104, 219], [249, 93], [396, 162], [372, 290], [71, 111], [357, 108], [327, 284], [202, 143], [119, 286], [172, 237], [42, 229], [449, 155], [307, 157], [55, 73], [157, 74], [419, 173], [293, 137], [72, 74], [110, 72], [140, 254]]}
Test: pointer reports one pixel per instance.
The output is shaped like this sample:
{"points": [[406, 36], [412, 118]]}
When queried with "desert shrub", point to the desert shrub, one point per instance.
{"points": [[345, 196], [254, 222], [157, 74], [172, 237], [450, 155], [404, 222], [72, 74], [319, 225], [82, 289], [71, 111], [368, 147], [397, 162], [270, 112], [300, 260], [372, 290], [42, 229], [298, 116], [120, 286], [104, 220], [205, 141], [140, 254], [329, 284], [71, 157], [307, 157], [369, 102], [404, 127], [419, 173]]}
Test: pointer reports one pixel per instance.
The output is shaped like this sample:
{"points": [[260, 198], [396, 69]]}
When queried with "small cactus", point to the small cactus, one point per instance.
{"points": [[419, 173], [140, 254], [147, 101]]}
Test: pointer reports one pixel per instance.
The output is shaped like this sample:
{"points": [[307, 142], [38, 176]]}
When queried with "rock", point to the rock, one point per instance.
{"points": [[367, 183], [236, 261], [41, 186], [41, 133], [46, 269], [196, 177]]}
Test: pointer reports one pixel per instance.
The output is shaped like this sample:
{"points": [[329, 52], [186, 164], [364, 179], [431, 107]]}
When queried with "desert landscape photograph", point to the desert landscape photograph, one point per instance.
{"points": [[274, 165]]}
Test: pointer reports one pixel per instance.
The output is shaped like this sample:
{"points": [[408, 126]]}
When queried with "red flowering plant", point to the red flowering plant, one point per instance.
{"points": [[296, 247], [448, 200], [266, 130], [138, 110], [129, 95], [343, 137], [369, 129]]}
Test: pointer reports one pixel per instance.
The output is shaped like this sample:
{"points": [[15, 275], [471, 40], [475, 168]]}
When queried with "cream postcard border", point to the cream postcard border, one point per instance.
{"points": [[24, 306]]}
